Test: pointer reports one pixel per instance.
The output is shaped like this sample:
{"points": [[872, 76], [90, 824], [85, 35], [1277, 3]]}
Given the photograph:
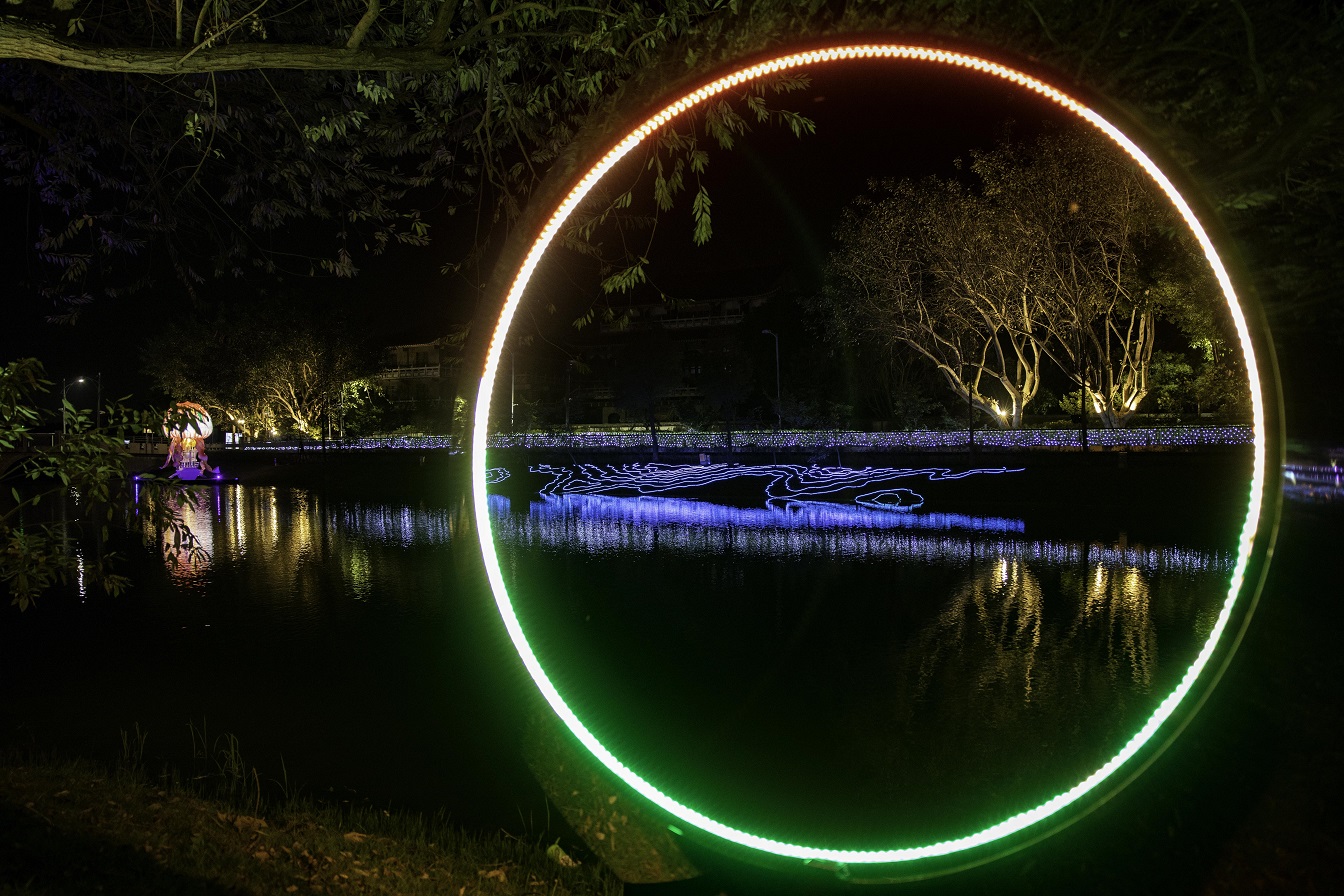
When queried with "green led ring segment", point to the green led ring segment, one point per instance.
{"points": [[1168, 706]]}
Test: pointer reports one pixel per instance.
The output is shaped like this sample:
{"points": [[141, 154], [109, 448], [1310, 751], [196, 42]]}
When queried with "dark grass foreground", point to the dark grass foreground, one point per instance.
{"points": [[73, 828]]}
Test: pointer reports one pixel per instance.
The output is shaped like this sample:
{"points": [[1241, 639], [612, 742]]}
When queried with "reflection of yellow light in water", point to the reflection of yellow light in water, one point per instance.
{"points": [[199, 519], [237, 528], [288, 521], [1120, 601], [360, 571], [996, 612], [272, 519]]}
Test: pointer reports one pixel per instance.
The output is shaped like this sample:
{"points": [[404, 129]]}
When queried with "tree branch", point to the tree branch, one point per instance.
{"points": [[22, 41], [362, 27], [19, 117], [443, 23]]}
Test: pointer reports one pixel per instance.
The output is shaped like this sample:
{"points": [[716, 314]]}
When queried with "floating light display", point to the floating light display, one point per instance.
{"points": [[187, 425], [780, 482], [1313, 483], [978, 837]]}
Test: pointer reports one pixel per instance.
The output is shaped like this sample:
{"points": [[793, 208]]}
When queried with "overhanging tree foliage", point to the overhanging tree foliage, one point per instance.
{"points": [[369, 119], [60, 501], [211, 131]]}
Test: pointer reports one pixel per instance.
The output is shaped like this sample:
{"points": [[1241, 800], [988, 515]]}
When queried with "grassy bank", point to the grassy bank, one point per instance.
{"points": [[73, 827]]}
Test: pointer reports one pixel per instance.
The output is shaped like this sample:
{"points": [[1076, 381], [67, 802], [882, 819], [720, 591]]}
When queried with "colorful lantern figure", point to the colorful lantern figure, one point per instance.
{"points": [[187, 425]]}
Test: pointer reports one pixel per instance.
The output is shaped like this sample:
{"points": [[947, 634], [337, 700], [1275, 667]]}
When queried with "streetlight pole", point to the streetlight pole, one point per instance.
{"points": [[779, 406], [1082, 407], [65, 392], [569, 372]]}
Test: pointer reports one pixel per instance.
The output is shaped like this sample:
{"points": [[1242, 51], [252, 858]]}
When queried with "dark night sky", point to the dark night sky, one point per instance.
{"points": [[781, 195], [777, 197]]}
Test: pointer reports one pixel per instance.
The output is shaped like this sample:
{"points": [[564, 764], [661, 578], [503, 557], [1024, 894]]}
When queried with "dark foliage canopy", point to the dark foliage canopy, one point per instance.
{"points": [[210, 138]]}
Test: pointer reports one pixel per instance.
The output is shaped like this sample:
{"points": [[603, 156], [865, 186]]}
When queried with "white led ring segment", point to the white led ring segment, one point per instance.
{"points": [[1014, 823]]}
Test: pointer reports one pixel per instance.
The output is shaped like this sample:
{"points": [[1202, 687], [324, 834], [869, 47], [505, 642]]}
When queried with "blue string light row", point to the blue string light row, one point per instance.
{"points": [[766, 440]]}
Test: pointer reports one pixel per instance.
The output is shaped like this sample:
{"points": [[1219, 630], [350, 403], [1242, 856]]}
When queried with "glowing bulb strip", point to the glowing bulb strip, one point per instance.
{"points": [[670, 804]]}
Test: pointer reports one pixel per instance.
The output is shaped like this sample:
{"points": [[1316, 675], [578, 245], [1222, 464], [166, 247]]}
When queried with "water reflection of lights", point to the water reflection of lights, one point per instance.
{"points": [[403, 526], [359, 572], [601, 525], [1119, 601], [81, 587], [1313, 483], [199, 511], [992, 621]]}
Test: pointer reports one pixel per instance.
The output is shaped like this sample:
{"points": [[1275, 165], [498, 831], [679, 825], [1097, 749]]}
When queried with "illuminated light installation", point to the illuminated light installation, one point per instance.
{"points": [[1126, 760], [1313, 483], [187, 425], [782, 482]]}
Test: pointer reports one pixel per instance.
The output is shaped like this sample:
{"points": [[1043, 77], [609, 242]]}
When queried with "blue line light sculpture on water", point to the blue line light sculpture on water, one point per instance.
{"points": [[981, 837], [781, 482]]}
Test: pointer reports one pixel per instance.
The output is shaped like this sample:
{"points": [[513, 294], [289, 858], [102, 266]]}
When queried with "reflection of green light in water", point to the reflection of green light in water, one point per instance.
{"points": [[1015, 823]]}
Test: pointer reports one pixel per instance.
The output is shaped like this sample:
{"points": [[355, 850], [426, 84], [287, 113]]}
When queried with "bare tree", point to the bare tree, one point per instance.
{"points": [[1109, 260], [1061, 250], [930, 266]]}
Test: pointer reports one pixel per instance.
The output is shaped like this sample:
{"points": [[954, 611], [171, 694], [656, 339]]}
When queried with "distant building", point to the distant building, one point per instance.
{"points": [[416, 378], [678, 356]]}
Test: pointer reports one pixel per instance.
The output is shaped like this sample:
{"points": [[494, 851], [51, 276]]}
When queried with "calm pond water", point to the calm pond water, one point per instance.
{"points": [[899, 671]]}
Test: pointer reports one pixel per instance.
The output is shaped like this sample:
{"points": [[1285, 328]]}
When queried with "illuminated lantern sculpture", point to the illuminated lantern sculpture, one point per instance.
{"points": [[187, 425]]}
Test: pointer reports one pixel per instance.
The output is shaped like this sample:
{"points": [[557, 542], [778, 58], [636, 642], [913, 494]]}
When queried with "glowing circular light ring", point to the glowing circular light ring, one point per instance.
{"points": [[1015, 823]]}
